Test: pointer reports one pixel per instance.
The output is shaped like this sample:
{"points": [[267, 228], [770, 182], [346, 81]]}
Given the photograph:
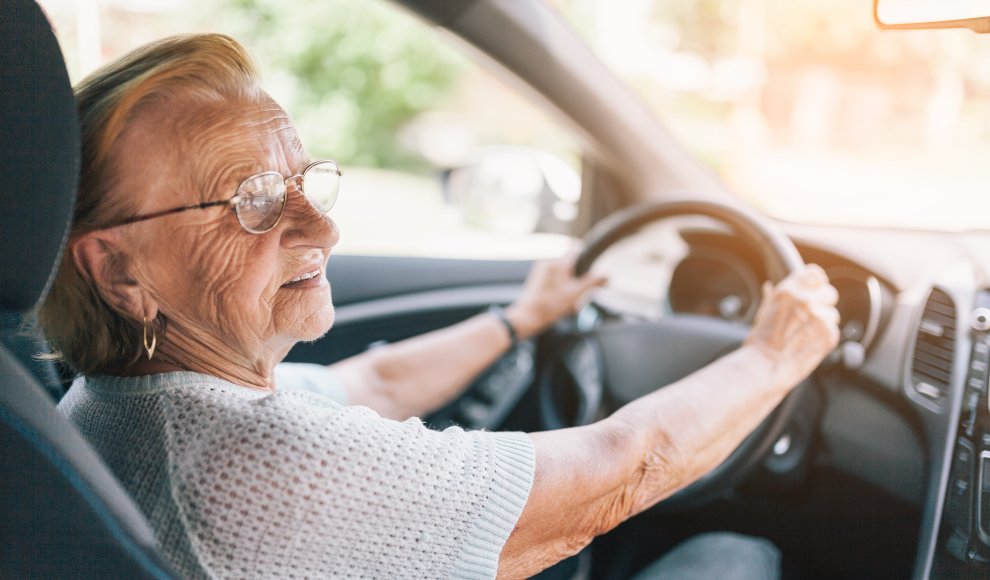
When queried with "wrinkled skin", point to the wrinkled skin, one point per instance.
{"points": [[223, 290]]}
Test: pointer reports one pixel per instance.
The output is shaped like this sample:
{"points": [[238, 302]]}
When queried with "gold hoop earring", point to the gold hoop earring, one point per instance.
{"points": [[154, 338]]}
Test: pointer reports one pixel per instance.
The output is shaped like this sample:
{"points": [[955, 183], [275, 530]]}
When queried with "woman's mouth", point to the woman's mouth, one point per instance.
{"points": [[308, 279]]}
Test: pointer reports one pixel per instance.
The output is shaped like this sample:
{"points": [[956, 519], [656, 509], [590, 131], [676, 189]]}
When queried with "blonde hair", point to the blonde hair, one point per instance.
{"points": [[84, 329]]}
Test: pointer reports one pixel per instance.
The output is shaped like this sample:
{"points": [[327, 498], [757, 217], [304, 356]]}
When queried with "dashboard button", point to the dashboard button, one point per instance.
{"points": [[959, 505], [853, 355], [972, 404], [980, 319]]}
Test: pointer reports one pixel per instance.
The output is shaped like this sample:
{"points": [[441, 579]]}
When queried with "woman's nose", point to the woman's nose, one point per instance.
{"points": [[307, 226]]}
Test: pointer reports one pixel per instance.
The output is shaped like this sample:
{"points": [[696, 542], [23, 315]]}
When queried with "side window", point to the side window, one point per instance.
{"points": [[440, 158]]}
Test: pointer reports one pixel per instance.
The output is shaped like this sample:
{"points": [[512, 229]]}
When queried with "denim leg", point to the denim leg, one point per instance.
{"points": [[717, 556]]}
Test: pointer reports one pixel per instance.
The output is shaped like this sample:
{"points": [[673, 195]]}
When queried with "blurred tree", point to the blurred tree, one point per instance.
{"points": [[350, 72]]}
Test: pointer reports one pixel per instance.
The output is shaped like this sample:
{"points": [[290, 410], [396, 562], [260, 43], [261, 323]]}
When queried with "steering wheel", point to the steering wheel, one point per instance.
{"points": [[629, 360]]}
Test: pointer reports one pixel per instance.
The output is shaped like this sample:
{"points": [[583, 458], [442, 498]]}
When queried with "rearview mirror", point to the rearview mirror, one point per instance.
{"points": [[919, 14], [514, 190]]}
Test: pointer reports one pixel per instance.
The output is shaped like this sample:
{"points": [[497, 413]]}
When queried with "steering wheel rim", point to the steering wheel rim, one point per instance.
{"points": [[781, 258], [777, 250]]}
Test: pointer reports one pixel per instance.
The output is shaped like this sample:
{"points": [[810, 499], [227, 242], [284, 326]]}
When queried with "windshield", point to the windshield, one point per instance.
{"points": [[806, 110]]}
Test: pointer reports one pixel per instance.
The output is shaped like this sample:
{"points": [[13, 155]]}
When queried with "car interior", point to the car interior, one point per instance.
{"points": [[877, 466]]}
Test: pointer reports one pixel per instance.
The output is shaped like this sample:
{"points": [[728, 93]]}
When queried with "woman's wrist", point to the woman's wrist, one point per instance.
{"points": [[523, 320], [496, 311], [767, 362]]}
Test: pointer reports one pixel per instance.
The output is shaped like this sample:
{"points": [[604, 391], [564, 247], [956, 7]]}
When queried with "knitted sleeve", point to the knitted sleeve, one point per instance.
{"points": [[294, 486]]}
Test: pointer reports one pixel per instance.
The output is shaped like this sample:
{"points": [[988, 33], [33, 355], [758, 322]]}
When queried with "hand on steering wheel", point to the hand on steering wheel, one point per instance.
{"points": [[551, 291], [795, 327], [797, 323]]}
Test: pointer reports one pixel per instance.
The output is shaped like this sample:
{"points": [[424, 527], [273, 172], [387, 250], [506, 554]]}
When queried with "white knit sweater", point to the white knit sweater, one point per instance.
{"points": [[240, 484]]}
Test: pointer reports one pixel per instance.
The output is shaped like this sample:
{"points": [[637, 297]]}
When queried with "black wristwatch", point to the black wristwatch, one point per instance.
{"points": [[497, 311]]}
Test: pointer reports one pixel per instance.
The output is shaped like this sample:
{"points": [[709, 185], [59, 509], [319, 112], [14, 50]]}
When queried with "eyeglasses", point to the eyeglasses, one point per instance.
{"points": [[260, 200]]}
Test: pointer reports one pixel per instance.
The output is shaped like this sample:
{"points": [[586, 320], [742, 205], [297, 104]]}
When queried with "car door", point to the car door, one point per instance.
{"points": [[391, 298]]}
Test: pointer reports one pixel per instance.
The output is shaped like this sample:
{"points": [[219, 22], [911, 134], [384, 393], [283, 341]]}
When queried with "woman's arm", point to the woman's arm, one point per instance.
{"points": [[590, 479], [420, 374]]}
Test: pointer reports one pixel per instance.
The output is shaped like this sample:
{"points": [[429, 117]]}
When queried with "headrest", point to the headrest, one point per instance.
{"points": [[39, 154]]}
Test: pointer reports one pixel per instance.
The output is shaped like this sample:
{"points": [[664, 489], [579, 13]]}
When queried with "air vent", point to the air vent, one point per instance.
{"points": [[931, 370]]}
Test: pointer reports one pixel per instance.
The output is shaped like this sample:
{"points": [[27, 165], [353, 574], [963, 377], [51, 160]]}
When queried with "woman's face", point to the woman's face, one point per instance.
{"points": [[221, 287]]}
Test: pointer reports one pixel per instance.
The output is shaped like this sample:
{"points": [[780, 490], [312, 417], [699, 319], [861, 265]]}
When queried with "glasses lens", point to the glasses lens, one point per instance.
{"points": [[321, 183], [262, 202]]}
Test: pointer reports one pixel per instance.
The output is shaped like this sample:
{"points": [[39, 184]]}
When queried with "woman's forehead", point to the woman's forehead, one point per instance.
{"points": [[214, 147], [262, 134], [251, 141]]}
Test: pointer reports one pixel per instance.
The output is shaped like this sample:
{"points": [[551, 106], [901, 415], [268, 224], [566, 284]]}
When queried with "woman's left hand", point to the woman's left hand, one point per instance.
{"points": [[551, 291], [421, 374]]}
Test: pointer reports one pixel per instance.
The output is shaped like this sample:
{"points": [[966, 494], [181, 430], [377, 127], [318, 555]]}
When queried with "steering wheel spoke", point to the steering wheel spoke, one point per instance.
{"points": [[572, 386], [641, 358]]}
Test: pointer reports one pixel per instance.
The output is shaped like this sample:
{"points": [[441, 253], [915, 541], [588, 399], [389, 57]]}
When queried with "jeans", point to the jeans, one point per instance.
{"points": [[717, 556]]}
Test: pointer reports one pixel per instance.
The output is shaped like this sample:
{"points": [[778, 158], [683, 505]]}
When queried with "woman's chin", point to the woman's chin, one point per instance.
{"points": [[303, 318], [317, 324]]}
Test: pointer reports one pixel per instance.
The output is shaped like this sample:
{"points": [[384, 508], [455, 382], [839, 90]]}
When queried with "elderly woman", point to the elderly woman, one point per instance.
{"points": [[196, 261]]}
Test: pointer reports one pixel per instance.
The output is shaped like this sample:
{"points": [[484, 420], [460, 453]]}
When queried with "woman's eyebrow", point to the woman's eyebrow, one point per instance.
{"points": [[225, 181]]}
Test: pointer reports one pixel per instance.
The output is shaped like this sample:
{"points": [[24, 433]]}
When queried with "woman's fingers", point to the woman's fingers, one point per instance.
{"points": [[591, 280], [809, 284], [831, 315], [813, 275], [827, 294], [798, 322], [551, 291]]}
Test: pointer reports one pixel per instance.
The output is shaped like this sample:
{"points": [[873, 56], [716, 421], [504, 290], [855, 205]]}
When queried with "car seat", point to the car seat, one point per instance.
{"points": [[62, 512], [29, 349]]}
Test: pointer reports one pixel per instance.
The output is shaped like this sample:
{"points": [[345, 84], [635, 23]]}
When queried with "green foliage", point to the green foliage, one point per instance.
{"points": [[350, 72]]}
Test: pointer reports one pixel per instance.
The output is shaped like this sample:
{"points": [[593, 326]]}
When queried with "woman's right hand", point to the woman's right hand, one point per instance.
{"points": [[589, 479], [797, 323]]}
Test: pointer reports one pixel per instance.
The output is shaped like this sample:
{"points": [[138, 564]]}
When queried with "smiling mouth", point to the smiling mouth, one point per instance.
{"points": [[304, 278]]}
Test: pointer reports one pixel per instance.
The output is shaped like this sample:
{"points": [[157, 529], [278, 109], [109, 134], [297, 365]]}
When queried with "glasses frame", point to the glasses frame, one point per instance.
{"points": [[232, 202]]}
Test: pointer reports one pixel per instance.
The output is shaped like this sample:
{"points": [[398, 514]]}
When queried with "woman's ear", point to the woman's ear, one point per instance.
{"points": [[98, 257]]}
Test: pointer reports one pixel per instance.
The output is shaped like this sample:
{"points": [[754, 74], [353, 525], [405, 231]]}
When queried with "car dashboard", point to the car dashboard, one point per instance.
{"points": [[915, 337], [907, 387], [915, 346]]}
